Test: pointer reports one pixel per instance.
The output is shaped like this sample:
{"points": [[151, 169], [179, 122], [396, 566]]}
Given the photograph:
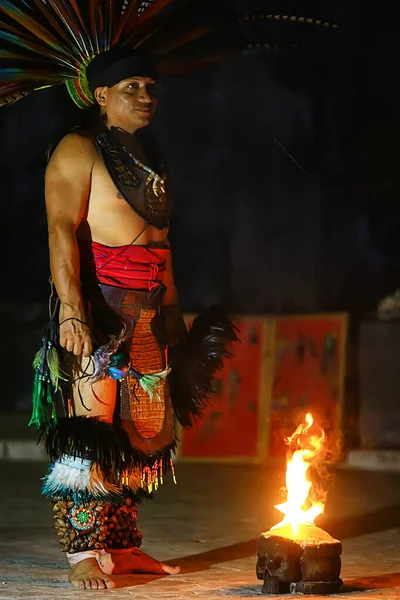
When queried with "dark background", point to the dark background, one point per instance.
{"points": [[252, 227]]}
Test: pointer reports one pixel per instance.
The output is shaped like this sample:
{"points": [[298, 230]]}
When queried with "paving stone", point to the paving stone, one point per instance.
{"points": [[209, 524]]}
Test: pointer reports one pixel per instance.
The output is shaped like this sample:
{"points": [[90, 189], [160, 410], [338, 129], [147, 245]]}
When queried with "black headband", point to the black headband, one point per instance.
{"points": [[111, 67]]}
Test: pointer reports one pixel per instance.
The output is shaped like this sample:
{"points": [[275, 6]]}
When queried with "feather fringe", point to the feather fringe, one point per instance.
{"points": [[195, 364], [76, 477], [103, 444], [82, 485]]}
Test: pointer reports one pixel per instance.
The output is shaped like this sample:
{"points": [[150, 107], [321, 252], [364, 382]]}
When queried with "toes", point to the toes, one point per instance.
{"points": [[170, 569], [93, 584], [101, 585], [87, 583], [154, 566], [110, 584], [81, 584]]}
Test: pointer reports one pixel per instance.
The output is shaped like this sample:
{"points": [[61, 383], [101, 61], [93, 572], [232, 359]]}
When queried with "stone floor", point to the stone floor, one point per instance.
{"points": [[208, 524]]}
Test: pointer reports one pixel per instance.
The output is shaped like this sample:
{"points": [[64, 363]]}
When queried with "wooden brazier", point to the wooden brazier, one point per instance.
{"points": [[306, 563]]}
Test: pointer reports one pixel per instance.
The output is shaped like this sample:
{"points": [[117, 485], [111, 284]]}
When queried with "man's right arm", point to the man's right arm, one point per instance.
{"points": [[67, 190]]}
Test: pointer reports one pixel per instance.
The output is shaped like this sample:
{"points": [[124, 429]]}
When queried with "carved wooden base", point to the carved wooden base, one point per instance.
{"points": [[308, 563]]}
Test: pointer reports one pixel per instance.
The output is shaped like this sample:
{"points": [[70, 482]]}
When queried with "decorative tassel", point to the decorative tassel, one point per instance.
{"points": [[154, 475], [147, 479], [124, 479], [172, 470], [42, 406], [45, 384], [49, 377]]}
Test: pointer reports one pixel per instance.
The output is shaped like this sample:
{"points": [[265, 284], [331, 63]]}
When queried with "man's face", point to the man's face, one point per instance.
{"points": [[131, 103]]}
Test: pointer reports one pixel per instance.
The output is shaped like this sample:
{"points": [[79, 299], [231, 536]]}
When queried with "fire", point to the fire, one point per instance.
{"points": [[299, 508]]}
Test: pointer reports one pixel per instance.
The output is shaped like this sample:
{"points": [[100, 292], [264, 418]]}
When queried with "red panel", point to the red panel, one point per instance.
{"points": [[230, 426], [306, 375]]}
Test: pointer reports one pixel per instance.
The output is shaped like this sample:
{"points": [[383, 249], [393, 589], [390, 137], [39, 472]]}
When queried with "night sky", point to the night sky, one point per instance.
{"points": [[251, 228]]}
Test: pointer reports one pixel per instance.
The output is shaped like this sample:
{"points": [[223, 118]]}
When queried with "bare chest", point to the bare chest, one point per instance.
{"points": [[111, 220]]}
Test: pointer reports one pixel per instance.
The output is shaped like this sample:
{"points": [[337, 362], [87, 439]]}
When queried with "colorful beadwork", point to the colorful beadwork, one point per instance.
{"points": [[82, 518]]}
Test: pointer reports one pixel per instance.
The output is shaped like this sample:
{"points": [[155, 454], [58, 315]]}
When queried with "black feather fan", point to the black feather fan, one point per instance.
{"points": [[195, 363]]}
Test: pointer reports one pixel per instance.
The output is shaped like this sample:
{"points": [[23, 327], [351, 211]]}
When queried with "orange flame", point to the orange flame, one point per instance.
{"points": [[298, 485]]}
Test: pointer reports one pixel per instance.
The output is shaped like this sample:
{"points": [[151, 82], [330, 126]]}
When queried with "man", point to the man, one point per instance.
{"points": [[116, 363], [87, 217]]}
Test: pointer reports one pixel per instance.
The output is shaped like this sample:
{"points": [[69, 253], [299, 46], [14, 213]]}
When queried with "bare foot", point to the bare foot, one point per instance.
{"points": [[134, 562], [87, 575]]}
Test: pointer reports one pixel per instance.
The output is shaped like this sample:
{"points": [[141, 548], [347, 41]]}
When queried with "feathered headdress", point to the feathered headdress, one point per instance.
{"points": [[49, 42]]}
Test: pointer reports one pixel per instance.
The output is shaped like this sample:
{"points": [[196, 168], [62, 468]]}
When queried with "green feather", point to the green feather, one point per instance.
{"points": [[39, 358], [36, 417], [151, 383], [53, 362], [43, 410], [38, 413], [45, 384]]}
